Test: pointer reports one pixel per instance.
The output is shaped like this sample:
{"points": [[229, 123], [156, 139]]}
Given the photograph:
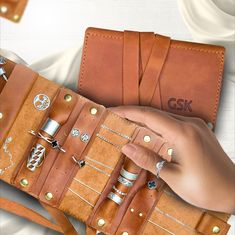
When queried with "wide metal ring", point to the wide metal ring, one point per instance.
{"points": [[159, 166], [114, 197], [124, 181], [128, 175], [50, 127]]}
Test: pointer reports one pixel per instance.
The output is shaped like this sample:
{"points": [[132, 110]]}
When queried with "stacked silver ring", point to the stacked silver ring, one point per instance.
{"points": [[119, 191], [114, 197], [128, 175], [124, 181]]}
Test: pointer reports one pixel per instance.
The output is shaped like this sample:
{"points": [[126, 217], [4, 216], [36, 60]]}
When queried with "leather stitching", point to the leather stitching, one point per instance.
{"points": [[219, 52]]}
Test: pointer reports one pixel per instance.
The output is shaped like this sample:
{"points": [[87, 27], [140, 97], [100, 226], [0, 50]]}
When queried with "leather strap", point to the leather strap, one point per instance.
{"points": [[20, 210], [150, 79], [131, 68], [61, 219]]}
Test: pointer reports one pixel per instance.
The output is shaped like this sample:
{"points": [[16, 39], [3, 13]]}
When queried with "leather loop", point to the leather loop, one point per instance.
{"points": [[131, 68], [150, 79], [20, 210], [209, 225]]}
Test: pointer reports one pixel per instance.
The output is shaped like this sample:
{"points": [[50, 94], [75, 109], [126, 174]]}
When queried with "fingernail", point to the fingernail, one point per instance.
{"points": [[129, 149]]}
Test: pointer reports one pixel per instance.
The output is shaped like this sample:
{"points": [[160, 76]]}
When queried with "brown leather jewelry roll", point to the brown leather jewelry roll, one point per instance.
{"points": [[64, 150]]}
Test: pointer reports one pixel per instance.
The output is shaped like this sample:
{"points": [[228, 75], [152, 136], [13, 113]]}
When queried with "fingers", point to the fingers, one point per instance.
{"points": [[148, 159], [155, 119]]}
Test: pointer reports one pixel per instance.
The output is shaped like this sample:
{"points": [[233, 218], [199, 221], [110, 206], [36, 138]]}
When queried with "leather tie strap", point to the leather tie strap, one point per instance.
{"points": [[131, 68], [22, 211], [151, 76], [61, 219]]}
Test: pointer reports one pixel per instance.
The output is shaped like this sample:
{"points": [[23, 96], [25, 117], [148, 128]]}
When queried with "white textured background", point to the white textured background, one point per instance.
{"points": [[52, 26]]}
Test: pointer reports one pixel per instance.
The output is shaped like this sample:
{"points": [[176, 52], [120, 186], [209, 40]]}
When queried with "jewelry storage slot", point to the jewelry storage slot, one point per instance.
{"points": [[18, 139], [101, 159], [112, 207], [77, 141], [45, 147]]}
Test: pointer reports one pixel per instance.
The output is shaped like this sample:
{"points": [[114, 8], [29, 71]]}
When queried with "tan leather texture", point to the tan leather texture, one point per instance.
{"points": [[176, 76], [91, 133], [12, 9]]}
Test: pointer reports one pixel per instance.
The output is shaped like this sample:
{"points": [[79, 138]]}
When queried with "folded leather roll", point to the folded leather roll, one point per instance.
{"points": [[143, 68], [74, 147]]}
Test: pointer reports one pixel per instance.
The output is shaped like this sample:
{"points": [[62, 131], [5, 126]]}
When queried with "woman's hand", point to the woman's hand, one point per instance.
{"points": [[200, 172]]}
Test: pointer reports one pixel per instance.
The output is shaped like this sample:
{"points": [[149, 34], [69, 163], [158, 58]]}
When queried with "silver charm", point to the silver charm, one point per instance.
{"points": [[75, 132], [8, 153], [81, 163], [41, 102], [85, 137], [152, 184], [36, 157]]}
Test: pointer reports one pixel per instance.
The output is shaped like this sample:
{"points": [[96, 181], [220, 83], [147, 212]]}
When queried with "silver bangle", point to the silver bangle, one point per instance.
{"points": [[128, 175], [124, 181], [119, 191], [159, 166], [114, 197]]}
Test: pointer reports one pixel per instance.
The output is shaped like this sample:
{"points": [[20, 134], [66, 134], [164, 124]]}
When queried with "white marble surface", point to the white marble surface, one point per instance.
{"points": [[52, 26]]}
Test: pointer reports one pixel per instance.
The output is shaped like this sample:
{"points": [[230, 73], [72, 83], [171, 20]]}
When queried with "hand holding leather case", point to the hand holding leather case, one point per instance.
{"points": [[143, 68], [64, 150]]}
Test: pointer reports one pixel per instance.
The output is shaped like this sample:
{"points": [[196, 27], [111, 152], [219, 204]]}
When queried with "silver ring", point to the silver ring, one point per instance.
{"points": [[128, 175], [119, 191], [114, 197], [54, 143], [124, 181], [159, 166]]}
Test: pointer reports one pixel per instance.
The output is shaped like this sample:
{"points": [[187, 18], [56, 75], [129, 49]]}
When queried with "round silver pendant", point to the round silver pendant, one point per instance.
{"points": [[85, 137], [41, 102]]}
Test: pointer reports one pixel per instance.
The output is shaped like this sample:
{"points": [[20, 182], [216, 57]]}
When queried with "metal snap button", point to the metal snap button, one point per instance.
{"points": [[3, 9], [170, 151], [101, 222], [48, 196], [93, 111], [147, 138], [68, 97], [24, 182], [132, 210], [16, 17], [140, 214], [216, 229], [1, 115], [125, 233]]}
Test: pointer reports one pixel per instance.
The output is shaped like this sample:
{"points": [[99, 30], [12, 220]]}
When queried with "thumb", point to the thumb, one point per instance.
{"points": [[147, 160]]}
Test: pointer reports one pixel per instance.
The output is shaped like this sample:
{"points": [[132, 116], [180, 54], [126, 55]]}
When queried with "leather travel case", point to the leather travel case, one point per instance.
{"points": [[12, 9], [143, 68], [64, 150]]}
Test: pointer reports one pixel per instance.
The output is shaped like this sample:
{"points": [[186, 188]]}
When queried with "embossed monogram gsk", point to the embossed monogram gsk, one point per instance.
{"points": [[180, 104]]}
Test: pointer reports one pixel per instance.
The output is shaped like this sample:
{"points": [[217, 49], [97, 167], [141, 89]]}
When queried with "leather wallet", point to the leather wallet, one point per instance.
{"points": [[12, 9], [64, 150], [143, 68]]}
